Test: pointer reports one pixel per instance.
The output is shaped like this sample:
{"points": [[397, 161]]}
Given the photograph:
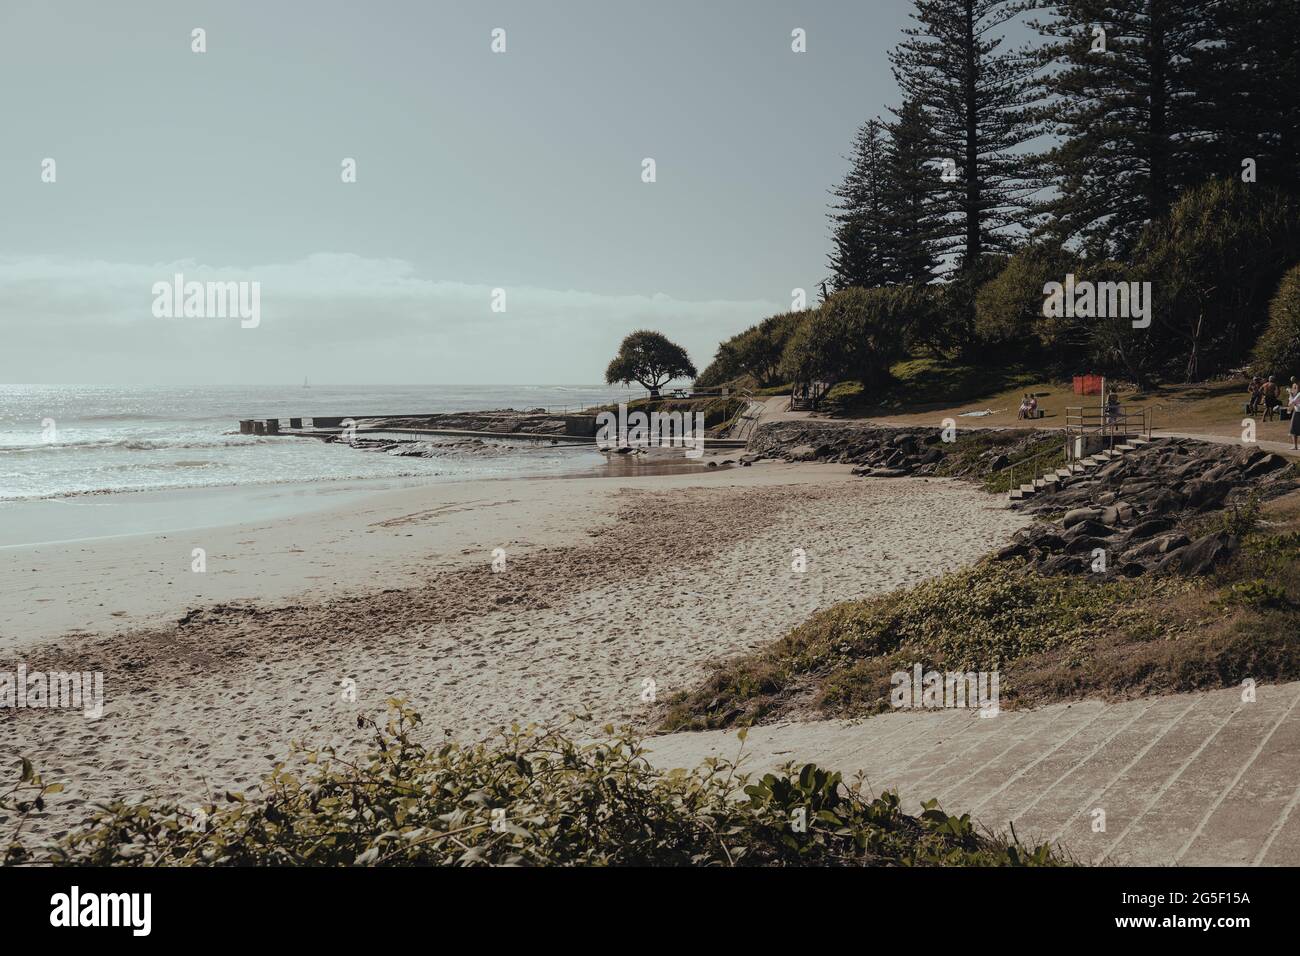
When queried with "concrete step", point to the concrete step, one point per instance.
{"points": [[1028, 489], [1064, 473]]}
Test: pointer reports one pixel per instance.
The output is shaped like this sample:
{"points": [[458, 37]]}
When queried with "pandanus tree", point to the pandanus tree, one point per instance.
{"points": [[649, 359]]}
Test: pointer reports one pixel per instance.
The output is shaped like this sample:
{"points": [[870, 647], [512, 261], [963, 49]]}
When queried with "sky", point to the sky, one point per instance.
{"points": [[519, 171]]}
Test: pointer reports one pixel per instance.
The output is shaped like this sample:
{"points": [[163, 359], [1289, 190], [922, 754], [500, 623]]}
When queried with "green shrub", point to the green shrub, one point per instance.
{"points": [[855, 335], [1277, 352], [531, 797], [1009, 306], [987, 617], [755, 352], [1241, 516], [1213, 263], [1254, 593]]}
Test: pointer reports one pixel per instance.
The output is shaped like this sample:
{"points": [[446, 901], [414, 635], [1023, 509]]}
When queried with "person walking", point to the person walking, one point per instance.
{"points": [[1293, 403]]}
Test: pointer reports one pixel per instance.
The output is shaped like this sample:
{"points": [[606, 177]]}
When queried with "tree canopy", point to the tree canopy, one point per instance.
{"points": [[651, 360]]}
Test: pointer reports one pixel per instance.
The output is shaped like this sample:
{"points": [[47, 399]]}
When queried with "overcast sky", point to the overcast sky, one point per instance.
{"points": [[475, 170]]}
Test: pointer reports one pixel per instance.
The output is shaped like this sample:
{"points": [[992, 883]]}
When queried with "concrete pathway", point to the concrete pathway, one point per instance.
{"points": [[1190, 779]]}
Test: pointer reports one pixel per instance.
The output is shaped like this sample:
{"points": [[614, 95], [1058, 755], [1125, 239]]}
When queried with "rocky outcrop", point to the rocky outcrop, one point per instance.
{"points": [[879, 451], [1141, 511], [445, 448], [505, 420]]}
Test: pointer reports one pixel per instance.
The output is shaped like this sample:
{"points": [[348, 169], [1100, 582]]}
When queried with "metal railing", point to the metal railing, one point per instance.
{"points": [[664, 394], [811, 399], [1024, 465], [1108, 421]]}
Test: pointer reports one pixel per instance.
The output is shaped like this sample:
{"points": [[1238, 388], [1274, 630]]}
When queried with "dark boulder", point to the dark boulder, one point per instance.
{"points": [[1075, 515], [1265, 464], [1150, 527], [1203, 495], [1201, 556]]}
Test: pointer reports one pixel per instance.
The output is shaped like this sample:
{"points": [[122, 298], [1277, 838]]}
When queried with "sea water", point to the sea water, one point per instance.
{"points": [[73, 440]]}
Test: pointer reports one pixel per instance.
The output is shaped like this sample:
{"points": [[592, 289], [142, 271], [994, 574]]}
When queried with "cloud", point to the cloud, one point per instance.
{"points": [[339, 318]]}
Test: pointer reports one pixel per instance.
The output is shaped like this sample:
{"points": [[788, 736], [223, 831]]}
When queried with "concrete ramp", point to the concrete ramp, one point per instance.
{"points": [[1191, 779]]}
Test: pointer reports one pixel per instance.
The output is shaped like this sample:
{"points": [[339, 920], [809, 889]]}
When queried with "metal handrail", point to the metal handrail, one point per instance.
{"points": [[1024, 461], [1089, 419], [1100, 419]]}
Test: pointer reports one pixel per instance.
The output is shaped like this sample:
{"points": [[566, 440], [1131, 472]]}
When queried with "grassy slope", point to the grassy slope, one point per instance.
{"points": [[924, 391], [1051, 638]]}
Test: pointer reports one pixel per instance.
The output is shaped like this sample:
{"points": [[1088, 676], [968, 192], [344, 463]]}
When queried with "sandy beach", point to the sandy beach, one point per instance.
{"points": [[608, 584]]}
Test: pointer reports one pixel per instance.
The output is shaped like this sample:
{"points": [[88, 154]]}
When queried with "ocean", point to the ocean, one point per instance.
{"points": [[69, 440]]}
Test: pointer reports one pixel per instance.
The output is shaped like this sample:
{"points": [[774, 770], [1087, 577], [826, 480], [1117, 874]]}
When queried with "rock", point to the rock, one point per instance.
{"points": [[1109, 516], [1150, 527], [885, 473], [803, 453], [1084, 543], [1088, 528], [1265, 464], [1161, 544], [1015, 550], [1165, 502], [1049, 543], [1202, 555], [1064, 564], [1219, 471], [1076, 515], [1203, 495]]}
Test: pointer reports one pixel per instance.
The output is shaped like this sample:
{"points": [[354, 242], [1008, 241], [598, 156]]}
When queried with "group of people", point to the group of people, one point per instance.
{"points": [[1264, 393]]}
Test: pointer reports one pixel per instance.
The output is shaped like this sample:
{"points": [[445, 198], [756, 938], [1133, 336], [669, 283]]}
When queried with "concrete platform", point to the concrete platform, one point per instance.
{"points": [[1190, 779]]}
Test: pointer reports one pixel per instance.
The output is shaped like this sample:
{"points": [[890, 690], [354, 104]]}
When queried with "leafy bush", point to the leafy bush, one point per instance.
{"points": [[1009, 306], [755, 352], [532, 797], [1254, 593], [1278, 350], [856, 334], [1213, 264], [1241, 517]]}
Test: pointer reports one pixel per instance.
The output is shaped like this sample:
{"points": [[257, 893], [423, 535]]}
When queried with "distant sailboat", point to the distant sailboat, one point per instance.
{"points": [[304, 382]]}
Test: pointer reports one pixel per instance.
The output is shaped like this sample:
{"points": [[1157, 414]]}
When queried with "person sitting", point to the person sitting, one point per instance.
{"points": [[1024, 407], [1033, 406], [1255, 389]]}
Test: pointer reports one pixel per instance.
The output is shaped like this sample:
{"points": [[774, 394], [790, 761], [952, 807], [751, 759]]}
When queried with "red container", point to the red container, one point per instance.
{"points": [[1087, 384]]}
